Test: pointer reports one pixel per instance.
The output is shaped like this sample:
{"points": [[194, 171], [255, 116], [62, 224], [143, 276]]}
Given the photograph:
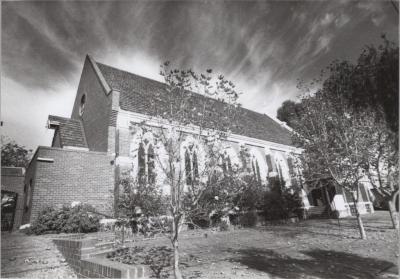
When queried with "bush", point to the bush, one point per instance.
{"points": [[280, 203], [68, 219], [223, 226], [249, 219]]}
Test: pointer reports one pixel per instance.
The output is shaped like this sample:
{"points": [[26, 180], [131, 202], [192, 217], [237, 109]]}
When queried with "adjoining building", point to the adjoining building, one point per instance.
{"points": [[14, 200], [103, 138]]}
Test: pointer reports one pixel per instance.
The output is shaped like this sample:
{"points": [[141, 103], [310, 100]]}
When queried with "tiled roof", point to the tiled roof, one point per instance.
{"points": [[140, 94], [70, 130]]}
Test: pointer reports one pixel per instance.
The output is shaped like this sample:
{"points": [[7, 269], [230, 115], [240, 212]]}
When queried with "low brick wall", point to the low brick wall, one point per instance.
{"points": [[89, 260]]}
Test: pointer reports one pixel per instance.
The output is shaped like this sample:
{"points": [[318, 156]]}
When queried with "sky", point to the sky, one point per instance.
{"points": [[264, 47]]}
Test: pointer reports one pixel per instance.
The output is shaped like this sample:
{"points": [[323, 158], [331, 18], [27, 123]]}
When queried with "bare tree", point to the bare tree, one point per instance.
{"points": [[194, 117]]}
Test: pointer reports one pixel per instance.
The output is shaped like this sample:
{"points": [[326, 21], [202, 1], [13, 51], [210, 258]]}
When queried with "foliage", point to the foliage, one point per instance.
{"points": [[248, 219], [77, 219], [223, 226], [289, 111], [349, 122], [372, 83], [14, 155], [142, 207], [228, 193], [280, 203], [207, 104], [139, 197]]}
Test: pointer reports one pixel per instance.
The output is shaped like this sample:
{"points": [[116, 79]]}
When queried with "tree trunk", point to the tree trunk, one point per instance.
{"points": [[359, 220], [393, 214], [177, 271], [175, 245]]}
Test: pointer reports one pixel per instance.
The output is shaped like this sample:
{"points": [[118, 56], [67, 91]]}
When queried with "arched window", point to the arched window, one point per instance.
{"points": [[146, 164], [188, 168], [256, 169], [195, 165], [226, 164], [191, 166], [141, 164], [151, 176], [82, 104]]}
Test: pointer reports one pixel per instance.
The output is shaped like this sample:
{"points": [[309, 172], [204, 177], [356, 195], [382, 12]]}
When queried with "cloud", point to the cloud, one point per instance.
{"points": [[328, 19], [375, 11], [342, 20], [25, 111], [263, 47], [323, 44]]}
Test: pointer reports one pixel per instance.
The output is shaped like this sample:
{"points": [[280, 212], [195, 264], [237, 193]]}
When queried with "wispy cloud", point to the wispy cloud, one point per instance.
{"points": [[263, 46]]}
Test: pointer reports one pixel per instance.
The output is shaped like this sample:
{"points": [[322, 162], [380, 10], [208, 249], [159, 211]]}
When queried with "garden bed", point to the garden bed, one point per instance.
{"points": [[312, 248]]}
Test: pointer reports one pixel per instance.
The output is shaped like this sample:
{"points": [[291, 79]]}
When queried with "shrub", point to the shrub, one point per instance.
{"points": [[249, 219], [68, 219], [223, 226], [280, 202]]}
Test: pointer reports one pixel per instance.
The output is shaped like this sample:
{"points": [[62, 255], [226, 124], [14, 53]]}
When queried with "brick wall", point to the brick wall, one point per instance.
{"points": [[56, 139], [89, 261], [73, 175], [97, 109], [12, 179]]}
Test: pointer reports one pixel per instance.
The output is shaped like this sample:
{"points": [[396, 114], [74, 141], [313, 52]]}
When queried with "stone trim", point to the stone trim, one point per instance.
{"points": [[125, 118], [100, 77]]}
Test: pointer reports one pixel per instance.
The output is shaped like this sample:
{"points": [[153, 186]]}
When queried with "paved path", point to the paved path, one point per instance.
{"points": [[32, 257]]}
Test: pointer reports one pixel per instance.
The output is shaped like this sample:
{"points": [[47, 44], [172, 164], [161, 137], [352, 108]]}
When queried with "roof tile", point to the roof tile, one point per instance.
{"points": [[139, 94], [71, 131]]}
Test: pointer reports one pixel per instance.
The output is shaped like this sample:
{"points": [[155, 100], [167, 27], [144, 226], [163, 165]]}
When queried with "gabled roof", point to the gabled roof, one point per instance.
{"points": [[141, 95], [70, 131]]}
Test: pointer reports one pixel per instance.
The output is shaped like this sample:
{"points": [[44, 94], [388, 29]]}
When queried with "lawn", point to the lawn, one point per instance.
{"points": [[309, 249]]}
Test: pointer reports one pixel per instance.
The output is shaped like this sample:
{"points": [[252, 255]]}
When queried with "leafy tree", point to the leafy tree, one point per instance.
{"points": [[14, 155], [289, 111], [372, 83], [382, 165], [335, 142]]}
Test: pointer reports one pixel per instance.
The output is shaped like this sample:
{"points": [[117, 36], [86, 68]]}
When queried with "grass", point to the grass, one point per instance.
{"points": [[309, 249]]}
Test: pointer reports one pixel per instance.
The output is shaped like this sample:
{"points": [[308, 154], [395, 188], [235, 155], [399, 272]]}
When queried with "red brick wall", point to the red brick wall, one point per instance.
{"points": [[89, 261], [14, 182], [74, 175], [97, 109]]}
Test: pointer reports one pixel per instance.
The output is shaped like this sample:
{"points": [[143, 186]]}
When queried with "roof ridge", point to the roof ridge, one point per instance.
{"points": [[254, 124], [201, 95], [143, 77]]}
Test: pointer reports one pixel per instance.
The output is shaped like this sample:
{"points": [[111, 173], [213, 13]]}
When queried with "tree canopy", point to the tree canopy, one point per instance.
{"points": [[372, 83], [14, 155]]}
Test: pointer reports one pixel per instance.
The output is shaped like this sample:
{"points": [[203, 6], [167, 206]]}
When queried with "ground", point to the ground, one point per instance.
{"points": [[32, 257], [309, 249]]}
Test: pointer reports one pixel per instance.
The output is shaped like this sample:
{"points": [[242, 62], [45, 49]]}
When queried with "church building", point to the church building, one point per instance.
{"points": [[103, 139]]}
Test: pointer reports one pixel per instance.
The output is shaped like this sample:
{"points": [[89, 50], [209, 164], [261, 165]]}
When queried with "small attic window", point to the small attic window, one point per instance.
{"points": [[82, 105]]}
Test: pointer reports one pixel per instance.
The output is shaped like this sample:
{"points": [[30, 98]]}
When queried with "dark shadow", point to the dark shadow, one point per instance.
{"points": [[292, 232], [319, 263], [159, 259]]}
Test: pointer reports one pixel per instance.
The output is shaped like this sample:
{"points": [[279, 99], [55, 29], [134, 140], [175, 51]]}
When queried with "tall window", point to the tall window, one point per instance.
{"points": [[256, 169], [226, 164], [82, 105], [146, 163], [28, 196], [191, 166]]}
